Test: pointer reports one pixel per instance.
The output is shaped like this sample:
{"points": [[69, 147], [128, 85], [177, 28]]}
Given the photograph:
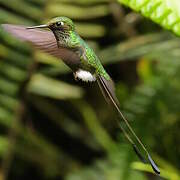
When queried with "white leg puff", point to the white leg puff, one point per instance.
{"points": [[85, 75]]}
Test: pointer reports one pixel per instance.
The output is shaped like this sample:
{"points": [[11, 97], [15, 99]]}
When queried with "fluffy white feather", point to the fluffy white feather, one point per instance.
{"points": [[85, 75]]}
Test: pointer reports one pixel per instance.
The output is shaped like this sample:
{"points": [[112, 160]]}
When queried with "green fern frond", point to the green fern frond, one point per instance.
{"points": [[164, 12]]}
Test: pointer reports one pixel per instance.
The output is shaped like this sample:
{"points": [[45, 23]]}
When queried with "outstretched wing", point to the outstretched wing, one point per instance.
{"points": [[43, 40], [108, 90]]}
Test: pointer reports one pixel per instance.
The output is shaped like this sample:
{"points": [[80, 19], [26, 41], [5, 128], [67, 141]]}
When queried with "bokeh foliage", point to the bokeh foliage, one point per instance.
{"points": [[53, 127]]}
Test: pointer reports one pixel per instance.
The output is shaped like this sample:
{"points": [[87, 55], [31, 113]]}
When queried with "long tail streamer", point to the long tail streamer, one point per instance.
{"points": [[107, 89]]}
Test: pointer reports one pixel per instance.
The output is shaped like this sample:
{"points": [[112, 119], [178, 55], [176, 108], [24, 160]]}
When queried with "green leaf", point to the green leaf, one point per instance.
{"points": [[164, 12], [77, 12], [46, 86], [4, 144], [21, 7], [165, 173]]}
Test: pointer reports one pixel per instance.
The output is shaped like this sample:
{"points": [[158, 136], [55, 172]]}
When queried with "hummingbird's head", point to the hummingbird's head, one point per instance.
{"points": [[63, 24]]}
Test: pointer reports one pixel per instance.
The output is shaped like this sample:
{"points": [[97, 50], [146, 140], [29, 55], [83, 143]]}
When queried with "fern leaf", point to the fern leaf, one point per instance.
{"points": [[164, 12]]}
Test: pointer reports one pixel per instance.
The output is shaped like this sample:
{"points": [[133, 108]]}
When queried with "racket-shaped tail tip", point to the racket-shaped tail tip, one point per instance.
{"points": [[138, 153], [153, 165]]}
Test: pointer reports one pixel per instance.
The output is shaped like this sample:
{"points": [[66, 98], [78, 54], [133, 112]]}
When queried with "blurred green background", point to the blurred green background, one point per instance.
{"points": [[52, 127]]}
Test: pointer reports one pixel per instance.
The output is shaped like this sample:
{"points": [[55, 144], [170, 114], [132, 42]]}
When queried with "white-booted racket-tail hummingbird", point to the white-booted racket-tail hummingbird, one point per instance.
{"points": [[64, 42]]}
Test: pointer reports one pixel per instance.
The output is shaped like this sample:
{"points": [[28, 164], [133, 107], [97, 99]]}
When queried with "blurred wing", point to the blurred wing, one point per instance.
{"points": [[43, 40]]}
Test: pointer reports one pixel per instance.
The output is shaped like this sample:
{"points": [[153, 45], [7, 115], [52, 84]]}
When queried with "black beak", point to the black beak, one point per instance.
{"points": [[39, 26]]}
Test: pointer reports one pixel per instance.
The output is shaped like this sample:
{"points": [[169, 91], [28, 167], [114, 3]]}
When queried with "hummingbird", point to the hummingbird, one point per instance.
{"points": [[64, 42]]}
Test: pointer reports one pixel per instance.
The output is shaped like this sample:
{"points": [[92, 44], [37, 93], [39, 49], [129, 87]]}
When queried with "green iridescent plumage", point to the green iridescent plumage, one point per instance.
{"points": [[68, 38], [88, 57]]}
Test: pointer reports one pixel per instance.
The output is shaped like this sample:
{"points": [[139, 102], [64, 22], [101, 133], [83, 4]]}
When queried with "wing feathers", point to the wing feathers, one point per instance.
{"points": [[43, 40]]}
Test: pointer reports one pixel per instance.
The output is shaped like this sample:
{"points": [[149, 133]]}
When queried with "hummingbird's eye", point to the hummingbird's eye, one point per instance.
{"points": [[60, 23]]}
